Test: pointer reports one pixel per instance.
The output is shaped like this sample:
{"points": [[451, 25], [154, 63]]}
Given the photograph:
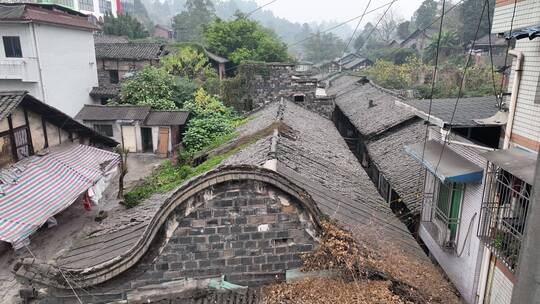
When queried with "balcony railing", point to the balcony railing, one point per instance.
{"points": [[504, 215], [25, 69], [438, 224]]}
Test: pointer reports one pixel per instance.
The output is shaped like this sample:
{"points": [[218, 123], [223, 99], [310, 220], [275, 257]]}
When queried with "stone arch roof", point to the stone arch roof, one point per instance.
{"points": [[91, 275]]}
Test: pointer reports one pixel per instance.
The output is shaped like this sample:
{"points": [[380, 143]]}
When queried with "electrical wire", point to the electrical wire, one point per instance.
{"points": [[461, 85], [431, 93], [259, 8], [508, 49], [380, 19], [356, 29]]}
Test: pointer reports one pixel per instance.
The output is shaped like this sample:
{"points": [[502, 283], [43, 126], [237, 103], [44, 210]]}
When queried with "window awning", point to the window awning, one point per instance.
{"points": [[452, 166], [515, 161]]}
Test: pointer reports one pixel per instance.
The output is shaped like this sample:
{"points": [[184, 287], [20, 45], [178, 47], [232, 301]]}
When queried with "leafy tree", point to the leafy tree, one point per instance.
{"points": [[189, 63], [323, 46], [470, 11], [211, 121], [425, 14], [404, 30], [190, 23], [243, 39], [157, 88], [448, 45], [124, 25]]}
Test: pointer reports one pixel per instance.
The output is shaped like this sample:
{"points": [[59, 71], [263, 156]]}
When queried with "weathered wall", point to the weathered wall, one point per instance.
{"points": [[122, 66], [260, 83], [247, 231]]}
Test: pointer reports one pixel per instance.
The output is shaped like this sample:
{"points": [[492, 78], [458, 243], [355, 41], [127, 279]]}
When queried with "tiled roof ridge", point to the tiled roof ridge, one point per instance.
{"points": [[275, 135]]}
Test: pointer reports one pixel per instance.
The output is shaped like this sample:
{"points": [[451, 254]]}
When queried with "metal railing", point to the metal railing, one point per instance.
{"points": [[504, 215], [437, 222]]}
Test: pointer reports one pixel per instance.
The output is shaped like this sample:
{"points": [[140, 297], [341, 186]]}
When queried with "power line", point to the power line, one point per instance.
{"points": [[507, 49], [356, 28], [259, 8], [461, 84], [380, 19], [343, 23]]}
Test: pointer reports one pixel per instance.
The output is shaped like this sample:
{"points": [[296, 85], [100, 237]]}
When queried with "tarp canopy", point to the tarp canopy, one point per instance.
{"points": [[39, 187], [515, 161], [448, 166]]}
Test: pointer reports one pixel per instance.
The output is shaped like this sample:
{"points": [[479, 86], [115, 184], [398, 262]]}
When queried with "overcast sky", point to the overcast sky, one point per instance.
{"points": [[339, 10]]}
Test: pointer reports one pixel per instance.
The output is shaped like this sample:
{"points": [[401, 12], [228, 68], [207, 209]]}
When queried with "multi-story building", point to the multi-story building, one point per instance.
{"points": [[48, 50], [97, 8], [510, 171]]}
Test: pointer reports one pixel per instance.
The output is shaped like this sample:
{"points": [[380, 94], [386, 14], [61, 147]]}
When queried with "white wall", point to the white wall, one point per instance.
{"points": [[501, 290], [66, 58], [464, 270]]}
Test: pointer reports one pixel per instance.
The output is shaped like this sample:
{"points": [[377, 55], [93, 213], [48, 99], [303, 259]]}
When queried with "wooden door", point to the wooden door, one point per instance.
{"points": [[129, 138], [163, 142]]}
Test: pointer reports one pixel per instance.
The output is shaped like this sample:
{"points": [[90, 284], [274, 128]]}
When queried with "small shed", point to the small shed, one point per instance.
{"points": [[139, 129]]}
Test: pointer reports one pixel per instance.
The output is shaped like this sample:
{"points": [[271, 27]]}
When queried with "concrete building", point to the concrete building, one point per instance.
{"points": [[137, 128], [161, 31], [97, 8], [453, 182], [48, 50]]}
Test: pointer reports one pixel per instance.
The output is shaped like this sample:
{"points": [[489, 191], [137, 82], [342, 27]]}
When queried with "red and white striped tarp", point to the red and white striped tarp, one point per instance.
{"points": [[48, 185]]}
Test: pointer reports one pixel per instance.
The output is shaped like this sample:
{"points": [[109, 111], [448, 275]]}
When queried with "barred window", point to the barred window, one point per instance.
{"points": [[87, 5]]}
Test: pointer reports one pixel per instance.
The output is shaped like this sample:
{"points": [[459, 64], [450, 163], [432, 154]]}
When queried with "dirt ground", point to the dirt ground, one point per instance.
{"points": [[72, 222]]}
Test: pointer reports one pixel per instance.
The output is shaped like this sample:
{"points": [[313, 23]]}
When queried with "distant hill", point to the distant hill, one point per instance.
{"points": [[161, 12]]}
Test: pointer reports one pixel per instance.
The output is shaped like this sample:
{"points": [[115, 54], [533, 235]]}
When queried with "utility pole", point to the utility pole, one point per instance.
{"points": [[527, 287]]}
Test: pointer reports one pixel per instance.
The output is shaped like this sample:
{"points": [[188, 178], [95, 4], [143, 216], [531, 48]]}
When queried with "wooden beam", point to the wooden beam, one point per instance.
{"points": [[44, 124], [28, 133], [12, 139]]}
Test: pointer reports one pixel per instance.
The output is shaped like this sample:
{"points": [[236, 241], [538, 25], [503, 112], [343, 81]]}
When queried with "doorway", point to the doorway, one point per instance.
{"points": [[163, 142], [146, 139]]}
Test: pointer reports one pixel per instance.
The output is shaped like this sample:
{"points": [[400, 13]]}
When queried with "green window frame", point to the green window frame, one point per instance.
{"points": [[449, 198]]}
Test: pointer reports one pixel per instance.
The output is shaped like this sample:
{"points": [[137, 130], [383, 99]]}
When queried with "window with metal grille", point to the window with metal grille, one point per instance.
{"points": [[504, 214], [105, 6], [12, 46], [442, 212], [106, 130], [87, 5]]}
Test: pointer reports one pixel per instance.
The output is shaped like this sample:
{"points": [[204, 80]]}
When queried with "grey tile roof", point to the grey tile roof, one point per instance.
{"points": [[398, 167], [9, 101], [467, 109], [353, 63], [108, 113], [312, 154], [353, 100], [166, 118], [105, 91], [136, 51], [109, 39]]}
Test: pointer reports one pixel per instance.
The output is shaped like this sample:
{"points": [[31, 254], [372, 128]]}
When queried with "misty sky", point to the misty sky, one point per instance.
{"points": [[339, 10]]}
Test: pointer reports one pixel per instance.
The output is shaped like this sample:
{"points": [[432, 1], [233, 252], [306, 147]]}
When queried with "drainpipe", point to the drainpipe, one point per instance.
{"points": [[514, 96], [40, 67]]}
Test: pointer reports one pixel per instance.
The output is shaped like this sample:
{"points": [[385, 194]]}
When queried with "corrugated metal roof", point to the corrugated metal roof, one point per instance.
{"points": [[167, 118], [108, 113], [140, 51]]}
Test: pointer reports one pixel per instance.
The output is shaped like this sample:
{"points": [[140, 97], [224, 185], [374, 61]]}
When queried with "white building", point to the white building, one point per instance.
{"points": [[48, 50], [97, 8]]}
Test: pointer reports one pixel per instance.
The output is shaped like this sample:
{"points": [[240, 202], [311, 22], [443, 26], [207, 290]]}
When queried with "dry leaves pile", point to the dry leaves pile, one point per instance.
{"points": [[326, 291], [365, 276]]}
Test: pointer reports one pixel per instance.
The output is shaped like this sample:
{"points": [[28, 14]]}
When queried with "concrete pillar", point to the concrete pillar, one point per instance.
{"points": [[527, 288]]}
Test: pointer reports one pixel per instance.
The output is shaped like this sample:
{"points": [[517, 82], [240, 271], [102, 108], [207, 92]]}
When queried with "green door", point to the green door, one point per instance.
{"points": [[455, 205]]}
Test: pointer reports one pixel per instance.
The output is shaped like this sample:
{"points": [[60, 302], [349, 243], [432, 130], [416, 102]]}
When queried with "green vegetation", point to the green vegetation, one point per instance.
{"points": [[188, 62], [244, 39], [323, 46], [124, 25], [416, 75]]}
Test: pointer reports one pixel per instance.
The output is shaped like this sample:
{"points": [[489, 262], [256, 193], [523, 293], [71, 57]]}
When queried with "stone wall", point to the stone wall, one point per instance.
{"points": [[246, 231], [269, 82]]}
